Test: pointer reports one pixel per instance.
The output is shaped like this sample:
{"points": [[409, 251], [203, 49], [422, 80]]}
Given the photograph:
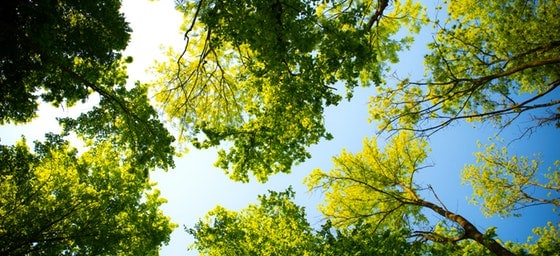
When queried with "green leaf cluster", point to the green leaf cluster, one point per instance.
{"points": [[49, 48], [275, 226], [488, 61], [257, 75], [55, 201], [504, 184]]}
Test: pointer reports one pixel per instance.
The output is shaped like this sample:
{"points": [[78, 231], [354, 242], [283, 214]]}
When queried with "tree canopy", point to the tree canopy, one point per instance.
{"points": [[488, 61], [277, 226], [254, 80], [378, 186], [58, 200], [491, 61], [54, 202], [256, 76], [58, 51]]}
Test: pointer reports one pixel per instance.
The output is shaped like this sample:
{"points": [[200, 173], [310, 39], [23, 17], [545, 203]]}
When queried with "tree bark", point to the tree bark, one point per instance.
{"points": [[471, 231]]}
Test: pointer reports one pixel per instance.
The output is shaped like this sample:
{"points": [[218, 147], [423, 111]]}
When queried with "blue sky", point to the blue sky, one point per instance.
{"points": [[195, 186]]}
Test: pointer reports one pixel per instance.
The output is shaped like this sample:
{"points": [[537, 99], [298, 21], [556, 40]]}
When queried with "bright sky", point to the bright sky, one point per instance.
{"points": [[194, 187]]}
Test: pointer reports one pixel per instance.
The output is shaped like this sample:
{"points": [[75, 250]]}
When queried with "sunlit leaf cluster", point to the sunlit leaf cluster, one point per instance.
{"points": [[259, 74], [488, 61], [274, 226], [373, 184], [56, 201], [503, 184]]}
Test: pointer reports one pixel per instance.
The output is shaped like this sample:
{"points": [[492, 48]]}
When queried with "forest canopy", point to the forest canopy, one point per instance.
{"points": [[254, 81], [258, 75], [262, 64], [56, 199]]}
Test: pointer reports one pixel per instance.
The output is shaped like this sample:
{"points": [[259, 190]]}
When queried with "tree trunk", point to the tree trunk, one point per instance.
{"points": [[471, 231]]}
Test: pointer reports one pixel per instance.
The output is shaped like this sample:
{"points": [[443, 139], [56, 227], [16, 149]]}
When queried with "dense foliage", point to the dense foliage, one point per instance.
{"points": [[254, 79], [259, 74], [58, 51], [491, 61], [56, 200]]}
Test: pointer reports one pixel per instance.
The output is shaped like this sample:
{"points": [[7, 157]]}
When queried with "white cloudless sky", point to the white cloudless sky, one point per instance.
{"points": [[195, 186]]}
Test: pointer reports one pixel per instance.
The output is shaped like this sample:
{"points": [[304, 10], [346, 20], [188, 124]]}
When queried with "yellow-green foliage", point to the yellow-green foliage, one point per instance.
{"points": [[258, 75], [275, 226], [372, 184], [57, 202], [503, 184], [489, 60]]}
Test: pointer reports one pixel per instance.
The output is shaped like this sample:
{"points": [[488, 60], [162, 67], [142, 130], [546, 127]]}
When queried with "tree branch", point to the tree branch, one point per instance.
{"points": [[435, 237], [471, 231], [381, 6]]}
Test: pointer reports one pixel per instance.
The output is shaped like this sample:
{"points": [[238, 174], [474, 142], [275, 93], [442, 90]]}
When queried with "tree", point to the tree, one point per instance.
{"points": [[275, 226], [56, 50], [548, 242], [504, 184], [489, 61], [362, 239], [61, 52], [257, 75], [56, 202], [378, 187]]}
